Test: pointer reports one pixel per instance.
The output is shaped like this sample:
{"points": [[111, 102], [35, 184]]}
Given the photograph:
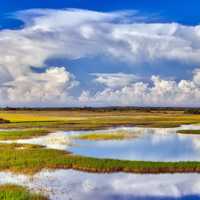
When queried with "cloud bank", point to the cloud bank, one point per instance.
{"points": [[73, 34], [159, 92]]}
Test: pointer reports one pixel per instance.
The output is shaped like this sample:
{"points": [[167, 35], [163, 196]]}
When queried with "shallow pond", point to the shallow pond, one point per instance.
{"points": [[74, 185], [153, 144]]}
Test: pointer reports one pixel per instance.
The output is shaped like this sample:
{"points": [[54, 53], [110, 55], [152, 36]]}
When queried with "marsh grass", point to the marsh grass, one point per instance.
{"points": [[84, 120], [30, 159], [196, 132], [22, 134], [14, 192], [118, 135]]}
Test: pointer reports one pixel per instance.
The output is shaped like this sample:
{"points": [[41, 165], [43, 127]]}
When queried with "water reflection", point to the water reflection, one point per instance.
{"points": [[70, 184], [152, 145]]}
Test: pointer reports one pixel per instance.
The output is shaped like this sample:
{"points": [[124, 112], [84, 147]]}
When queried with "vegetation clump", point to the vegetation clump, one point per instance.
{"points": [[14, 192], [118, 135], [2, 121], [195, 132]]}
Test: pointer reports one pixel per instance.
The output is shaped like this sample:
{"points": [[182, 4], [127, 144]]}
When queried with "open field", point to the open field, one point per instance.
{"points": [[14, 192], [95, 119]]}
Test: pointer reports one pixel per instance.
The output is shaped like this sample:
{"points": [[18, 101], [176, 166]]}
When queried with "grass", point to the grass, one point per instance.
{"points": [[27, 117], [118, 135], [30, 159], [189, 132], [14, 192], [91, 120], [22, 134]]}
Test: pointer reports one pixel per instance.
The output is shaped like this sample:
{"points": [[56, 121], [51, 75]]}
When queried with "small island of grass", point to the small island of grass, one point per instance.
{"points": [[22, 134], [14, 192], [118, 135], [195, 132]]}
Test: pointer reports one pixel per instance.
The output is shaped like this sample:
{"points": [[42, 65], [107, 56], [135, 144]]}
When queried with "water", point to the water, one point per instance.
{"points": [[159, 144], [70, 184], [152, 145]]}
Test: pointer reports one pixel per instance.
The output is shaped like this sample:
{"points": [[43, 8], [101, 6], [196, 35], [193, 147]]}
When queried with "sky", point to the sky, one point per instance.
{"points": [[99, 53]]}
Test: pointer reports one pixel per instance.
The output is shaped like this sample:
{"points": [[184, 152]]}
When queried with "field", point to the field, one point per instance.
{"points": [[29, 159], [95, 118]]}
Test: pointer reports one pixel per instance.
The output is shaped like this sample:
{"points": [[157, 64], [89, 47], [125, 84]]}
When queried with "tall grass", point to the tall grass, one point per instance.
{"points": [[189, 132], [14, 192], [22, 134]]}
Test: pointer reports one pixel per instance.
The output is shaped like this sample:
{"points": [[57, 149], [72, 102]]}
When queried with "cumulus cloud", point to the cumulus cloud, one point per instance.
{"points": [[74, 34], [115, 80], [160, 92], [51, 86]]}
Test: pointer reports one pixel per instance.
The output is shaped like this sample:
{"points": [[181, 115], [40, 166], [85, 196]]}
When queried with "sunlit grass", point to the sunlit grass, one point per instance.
{"points": [[117, 135], [22, 134], [14, 192], [84, 120], [30, 159], [28, 117]]}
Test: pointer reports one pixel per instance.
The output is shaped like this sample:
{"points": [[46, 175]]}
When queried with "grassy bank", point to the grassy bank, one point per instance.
{"points": [[118, 135], [30, 159], [91, 120], [196, 132], [14, 192], [22, 134]]}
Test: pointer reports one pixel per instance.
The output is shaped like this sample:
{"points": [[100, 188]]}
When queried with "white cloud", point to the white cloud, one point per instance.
{"points": [[115, 80], [160, 92], [50, 86], [74, 34]]}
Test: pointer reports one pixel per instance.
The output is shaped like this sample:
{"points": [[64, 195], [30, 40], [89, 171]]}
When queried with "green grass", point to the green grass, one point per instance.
{"points": [[14, 192], [189, 132], [118, 135], [22, 134], [30, 159]]}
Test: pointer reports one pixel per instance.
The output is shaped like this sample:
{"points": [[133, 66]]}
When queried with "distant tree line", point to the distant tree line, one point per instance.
{"points": [[106, 109]]}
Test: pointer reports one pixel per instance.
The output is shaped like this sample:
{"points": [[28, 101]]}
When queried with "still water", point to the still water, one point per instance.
{"points": [[74, 185], [155, 144], [152, 144]]}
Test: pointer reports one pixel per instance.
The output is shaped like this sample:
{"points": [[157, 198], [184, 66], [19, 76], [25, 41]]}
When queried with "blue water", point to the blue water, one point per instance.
{"points": [[151, 145]]}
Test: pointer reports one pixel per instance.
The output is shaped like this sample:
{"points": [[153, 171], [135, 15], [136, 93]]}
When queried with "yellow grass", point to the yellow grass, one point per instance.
{"points": [[90, 120], [28, 117], [118, 135]]}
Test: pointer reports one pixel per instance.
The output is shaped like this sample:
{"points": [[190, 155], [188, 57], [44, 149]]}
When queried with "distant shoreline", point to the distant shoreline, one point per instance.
{"points": [[104, 109]]}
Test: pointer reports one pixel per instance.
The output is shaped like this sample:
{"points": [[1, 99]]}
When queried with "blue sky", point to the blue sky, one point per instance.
{"points": [[97, 53], [182, 11]]}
